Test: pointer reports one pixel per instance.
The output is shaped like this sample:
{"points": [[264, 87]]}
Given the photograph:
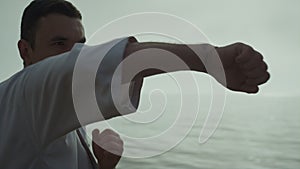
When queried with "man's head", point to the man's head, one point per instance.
{"points": [[49, 27]]}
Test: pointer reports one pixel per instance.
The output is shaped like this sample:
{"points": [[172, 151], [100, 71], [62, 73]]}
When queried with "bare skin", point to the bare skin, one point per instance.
{"points": [[244, 67], [56, 34], [109, 146]]}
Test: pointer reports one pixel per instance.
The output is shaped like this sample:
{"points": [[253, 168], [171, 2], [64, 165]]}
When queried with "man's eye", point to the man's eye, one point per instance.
{"points": [[59, 43]]}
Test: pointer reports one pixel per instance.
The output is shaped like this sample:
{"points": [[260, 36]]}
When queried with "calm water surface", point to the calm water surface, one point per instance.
{"points": [[255, 133]]}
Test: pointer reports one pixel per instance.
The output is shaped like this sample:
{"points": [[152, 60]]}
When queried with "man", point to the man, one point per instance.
{"points": [[39, 124], [50, 28]]}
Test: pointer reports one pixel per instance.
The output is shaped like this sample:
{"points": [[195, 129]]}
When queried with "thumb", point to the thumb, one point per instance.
{"points": [[95, 133]]}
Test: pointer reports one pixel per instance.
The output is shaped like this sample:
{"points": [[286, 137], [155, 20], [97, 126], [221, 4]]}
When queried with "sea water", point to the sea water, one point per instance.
{"points": [[255, 132]]}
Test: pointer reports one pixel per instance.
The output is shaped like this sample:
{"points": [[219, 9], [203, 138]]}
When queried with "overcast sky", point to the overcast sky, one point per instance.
{"points": [[270, 26]]}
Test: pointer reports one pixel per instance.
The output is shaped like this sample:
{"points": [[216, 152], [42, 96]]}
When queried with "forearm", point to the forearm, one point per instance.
{"points": [[193, 56]]}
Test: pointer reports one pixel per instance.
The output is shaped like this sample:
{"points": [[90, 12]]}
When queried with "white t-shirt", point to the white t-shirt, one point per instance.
{"points": [[37, 113]]}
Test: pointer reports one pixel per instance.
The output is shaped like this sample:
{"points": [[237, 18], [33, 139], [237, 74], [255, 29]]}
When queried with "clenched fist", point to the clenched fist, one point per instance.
{"points": [[244, 67], [107, 147]]}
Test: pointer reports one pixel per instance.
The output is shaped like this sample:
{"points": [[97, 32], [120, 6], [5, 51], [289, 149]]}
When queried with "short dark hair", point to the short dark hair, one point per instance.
{"points": [[41, 8]]}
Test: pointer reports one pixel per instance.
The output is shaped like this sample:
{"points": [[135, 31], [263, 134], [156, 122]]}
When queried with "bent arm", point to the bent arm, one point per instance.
{"points": [[49, 90]]}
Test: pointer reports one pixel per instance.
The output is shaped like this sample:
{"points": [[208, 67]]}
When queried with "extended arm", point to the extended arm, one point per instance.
{"points": [[243, 66], [48, 84]]}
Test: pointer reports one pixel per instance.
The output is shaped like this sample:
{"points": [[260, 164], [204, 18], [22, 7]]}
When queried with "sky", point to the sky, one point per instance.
{"points": [[270, 26]]}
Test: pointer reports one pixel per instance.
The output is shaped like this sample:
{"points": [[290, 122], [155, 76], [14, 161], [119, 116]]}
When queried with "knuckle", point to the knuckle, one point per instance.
{"points": [[239, 44], [109, 132], [264, 66], [121, 142], [268, 76], [258, 56], [249, 50]]}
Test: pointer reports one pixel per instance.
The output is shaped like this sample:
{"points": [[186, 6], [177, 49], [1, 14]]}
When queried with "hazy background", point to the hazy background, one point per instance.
{"points": [[257, 131], [272, 27]]}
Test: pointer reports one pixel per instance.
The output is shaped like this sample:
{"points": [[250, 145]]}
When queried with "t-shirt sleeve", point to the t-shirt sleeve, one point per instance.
{"points": [[76, 88]]}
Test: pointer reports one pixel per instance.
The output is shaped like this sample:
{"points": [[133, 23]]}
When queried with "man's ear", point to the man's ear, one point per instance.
{"points": [[24, 50]]}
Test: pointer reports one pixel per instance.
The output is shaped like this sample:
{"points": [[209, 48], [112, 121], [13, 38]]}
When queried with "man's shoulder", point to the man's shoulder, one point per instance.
{"points": [[8, 82]]}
